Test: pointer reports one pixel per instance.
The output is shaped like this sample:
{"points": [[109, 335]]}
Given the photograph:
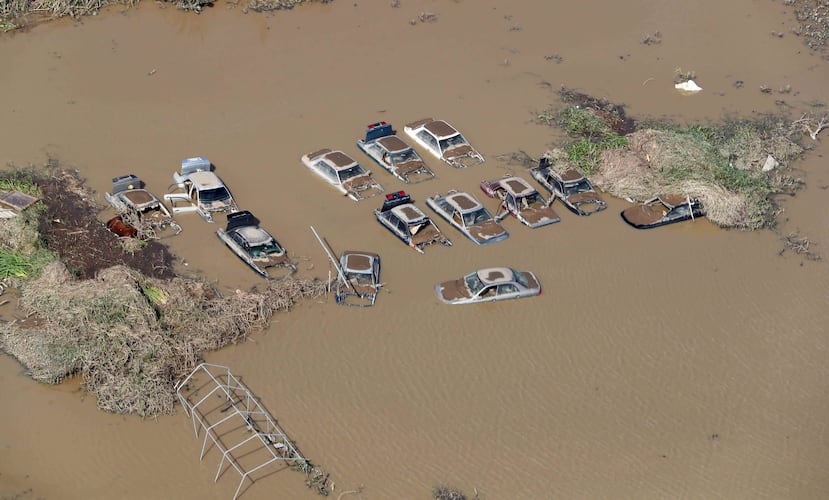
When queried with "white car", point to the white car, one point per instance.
{"points": [[198, 189], [444, 142], [488, 285], [343, 172]]}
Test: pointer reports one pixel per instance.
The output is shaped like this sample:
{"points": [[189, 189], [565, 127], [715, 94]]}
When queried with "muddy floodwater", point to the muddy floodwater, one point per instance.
{"points": [[682, 362]]}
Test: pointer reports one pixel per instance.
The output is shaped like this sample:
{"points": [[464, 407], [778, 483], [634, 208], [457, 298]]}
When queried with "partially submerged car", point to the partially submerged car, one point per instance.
{"points": [[570, 186], [663, 210], [359, 280], [468, 216], [487, 285], [254, 245], [408, 222], [390, 152], [343, 172], [444, 142], [198, 189], [135, 204], [522, 200]]}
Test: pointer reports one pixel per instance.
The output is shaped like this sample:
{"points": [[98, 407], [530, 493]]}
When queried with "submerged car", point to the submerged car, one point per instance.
{"points": [[408, 222], [487, 285], [444, 142], [571, 187], [254, 245], [359, 281], [344, 173], [390, 152], [135, 204], [522, 200], [663, 210], [468, 216], [198, 189]]}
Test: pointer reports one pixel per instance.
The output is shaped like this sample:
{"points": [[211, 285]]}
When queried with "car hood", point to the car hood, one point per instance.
{"points": [[536, 216], [454, 290], [486, 231]]}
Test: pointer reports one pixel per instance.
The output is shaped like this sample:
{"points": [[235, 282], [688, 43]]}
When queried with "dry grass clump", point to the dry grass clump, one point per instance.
{"points": [[15, 9], [132, 337]]}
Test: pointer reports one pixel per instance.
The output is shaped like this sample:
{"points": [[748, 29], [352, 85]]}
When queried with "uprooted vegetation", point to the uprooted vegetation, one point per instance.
{"points": [[736, 168], [19, 13], [130, 334]]}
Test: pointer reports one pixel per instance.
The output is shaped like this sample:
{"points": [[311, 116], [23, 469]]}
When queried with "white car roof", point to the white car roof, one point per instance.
{"points": [[206, 180], [440, 129], [408, 213], [339, 160], [517, 186], [393, 143], [493, 275], [463, 202]]}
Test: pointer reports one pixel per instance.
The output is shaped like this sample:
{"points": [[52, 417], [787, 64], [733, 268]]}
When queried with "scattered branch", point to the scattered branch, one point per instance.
{"points": [[807, 121]]}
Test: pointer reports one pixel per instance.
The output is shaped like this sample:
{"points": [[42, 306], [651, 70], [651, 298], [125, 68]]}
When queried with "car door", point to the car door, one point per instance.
{"points": [[507, 291]]}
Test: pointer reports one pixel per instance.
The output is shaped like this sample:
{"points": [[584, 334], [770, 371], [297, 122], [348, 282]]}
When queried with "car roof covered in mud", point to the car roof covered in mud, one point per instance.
{"points": [[463, 202], [393, 143], [517, 186], [408, 213], [339, 160], [358, 261], [440, 129], [205, 180], [495, 275], [571, 175]]}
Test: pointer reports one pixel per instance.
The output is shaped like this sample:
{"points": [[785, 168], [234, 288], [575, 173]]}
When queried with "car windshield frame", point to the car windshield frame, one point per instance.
{"points": [[366, 278], [478, 216], [266, 249], [350, 173], [519, 278], [219, 193], [452, 142], [473, 283], [404, 156], [581, 186]]}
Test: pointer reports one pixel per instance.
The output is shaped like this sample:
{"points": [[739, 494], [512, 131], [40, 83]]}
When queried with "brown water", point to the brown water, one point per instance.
{"points": [[685, 362]]}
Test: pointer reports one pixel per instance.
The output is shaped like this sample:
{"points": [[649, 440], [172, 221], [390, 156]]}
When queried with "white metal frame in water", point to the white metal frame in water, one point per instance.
{"points": [[244, 406]]}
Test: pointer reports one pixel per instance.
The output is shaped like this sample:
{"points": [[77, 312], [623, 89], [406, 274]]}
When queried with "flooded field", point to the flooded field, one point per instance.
{"points": [[682, 362]]}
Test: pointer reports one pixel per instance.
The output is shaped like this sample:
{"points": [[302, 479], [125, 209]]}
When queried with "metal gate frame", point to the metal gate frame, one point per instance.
{"points": [[245, 407]]}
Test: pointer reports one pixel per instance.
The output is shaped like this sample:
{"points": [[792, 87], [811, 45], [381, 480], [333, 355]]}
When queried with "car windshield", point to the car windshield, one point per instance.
{"points": [[360, 278], [404, 156], [529, 200], [520, 278], [265, 249], [216, 194], [581, 186], [452, 142], [473, 283], [477, 217], [350, 172]]}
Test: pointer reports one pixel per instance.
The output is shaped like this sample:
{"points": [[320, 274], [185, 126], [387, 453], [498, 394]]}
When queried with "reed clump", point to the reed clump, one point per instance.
{"points": [[131, 337]]}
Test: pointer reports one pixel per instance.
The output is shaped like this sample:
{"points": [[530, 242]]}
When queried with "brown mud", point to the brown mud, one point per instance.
{"points": [[687, 361]]}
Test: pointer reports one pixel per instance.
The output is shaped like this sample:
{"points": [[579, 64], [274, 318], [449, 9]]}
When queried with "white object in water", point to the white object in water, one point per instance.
{"points": [[690, 86]]}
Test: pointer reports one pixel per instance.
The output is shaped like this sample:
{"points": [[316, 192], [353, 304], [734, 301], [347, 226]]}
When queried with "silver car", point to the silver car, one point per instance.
{"points": [[468, 216], [488, 285]]}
